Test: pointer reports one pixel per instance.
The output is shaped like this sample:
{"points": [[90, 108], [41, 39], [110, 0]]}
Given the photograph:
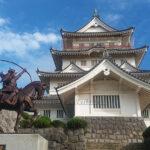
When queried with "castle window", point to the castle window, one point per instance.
{"points": [[60, 113], [73, 61], [86, 44], [83, 62], [94, 62], [146, 113], [106, 44], [75, 44], [47, 113], [117, 43], [106, 101]]}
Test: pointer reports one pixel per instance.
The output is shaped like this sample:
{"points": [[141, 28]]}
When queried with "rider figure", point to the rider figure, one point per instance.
{"points": [[10, 85]]}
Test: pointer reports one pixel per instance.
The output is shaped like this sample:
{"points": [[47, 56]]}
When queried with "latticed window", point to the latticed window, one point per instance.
{"points": [[60, 113], [94, 62], [146, 113], [83, 62], [47, 113], [73, 61], [106, 101]]}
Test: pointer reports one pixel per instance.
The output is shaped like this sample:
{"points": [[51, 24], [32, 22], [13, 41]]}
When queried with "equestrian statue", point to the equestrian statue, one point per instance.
{"points": [[19, 100]]}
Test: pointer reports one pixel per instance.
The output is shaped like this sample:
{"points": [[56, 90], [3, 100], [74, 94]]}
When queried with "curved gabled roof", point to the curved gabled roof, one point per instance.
{"points": [[127, 66], [76, 69], [99, 23], [59, 74], [137, 81], [58, 55], [99, 50], [87, 34]]}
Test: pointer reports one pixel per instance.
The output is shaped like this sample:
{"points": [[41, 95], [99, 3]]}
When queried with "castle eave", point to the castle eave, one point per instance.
{"points": [[90, 34], [129, 77]]}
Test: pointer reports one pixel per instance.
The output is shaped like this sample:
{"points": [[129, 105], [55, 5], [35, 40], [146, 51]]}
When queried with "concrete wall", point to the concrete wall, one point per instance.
{"points": [[129, 101], [23, 142]]}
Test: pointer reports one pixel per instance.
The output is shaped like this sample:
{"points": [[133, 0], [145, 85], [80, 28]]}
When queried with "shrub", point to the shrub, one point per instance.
{"points": [[25, 123], [146, 133], [26, 116], [58, 123], [26, 120], [76, 123], [146, 136], [42, 122]]}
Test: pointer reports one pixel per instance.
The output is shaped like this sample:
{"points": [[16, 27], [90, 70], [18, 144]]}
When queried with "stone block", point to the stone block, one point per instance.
{"points": [[70, 133], [81, 138], [73, 139], [8, 120]]}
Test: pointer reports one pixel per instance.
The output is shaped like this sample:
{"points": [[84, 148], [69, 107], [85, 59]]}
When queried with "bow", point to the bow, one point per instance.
{"points": [[18, 66]]}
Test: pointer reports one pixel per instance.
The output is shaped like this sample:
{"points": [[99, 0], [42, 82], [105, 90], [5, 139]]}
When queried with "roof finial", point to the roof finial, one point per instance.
{"points": [[95, 14]]}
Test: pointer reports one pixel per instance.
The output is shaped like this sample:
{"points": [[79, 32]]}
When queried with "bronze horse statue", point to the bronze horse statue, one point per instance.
{"points": [[23, 100]]}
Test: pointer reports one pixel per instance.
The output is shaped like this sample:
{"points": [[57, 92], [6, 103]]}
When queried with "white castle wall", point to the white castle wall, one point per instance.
{"points": [[53, 113], [129, 100], [52, 90], [89, 65]]}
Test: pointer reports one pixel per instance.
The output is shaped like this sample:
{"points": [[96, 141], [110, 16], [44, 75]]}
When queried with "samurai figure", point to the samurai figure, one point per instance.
{"points": [[10, 89]]}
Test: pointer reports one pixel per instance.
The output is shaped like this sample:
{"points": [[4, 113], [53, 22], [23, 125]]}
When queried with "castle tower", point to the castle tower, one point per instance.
{"points": [[97, 74]]}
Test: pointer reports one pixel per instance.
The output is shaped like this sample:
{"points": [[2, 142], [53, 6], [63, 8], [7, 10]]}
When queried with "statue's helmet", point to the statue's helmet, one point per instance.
{"points": [[11, 70]]}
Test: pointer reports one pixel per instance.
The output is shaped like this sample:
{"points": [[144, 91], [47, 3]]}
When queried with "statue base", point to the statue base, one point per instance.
{"points": [[23, 142], [7, 121]]}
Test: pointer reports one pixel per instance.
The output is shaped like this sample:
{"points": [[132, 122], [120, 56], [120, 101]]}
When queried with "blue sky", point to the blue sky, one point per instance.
{"points": [[28, 28]]}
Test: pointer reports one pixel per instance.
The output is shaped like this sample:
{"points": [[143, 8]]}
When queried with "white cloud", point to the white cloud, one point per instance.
{"points": [[51, 37], [3, 21], [21, 43]]}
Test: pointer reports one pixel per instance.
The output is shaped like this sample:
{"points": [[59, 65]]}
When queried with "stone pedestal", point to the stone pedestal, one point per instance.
{"points": [[23, 142], [7, 121]]}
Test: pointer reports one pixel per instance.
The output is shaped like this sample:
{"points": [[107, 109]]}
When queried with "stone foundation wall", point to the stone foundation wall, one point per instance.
{"points": [[60, 139], [102, 133], [7, 121], [118, 131]]}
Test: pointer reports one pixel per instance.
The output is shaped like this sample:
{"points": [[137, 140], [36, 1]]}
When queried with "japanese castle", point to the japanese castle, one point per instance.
{"points": [[97, 74]]}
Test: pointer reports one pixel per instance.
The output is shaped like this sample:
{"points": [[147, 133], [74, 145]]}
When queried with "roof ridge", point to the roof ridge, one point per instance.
{"points": [[72, 63], [59, 72], [129, 73], [116, 31]]}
